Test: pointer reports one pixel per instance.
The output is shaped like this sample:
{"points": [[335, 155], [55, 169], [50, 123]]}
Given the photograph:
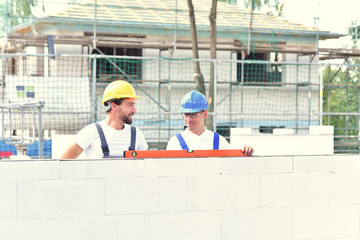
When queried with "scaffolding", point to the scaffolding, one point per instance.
{"points": [[12, 135], [162, 80], [250, 94]]}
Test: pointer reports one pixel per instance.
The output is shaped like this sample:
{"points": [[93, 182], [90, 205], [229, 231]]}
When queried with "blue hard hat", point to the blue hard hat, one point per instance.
{"points": [[193, 101]]}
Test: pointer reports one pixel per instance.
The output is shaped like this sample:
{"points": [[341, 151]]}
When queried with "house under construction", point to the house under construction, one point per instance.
{"points": [[266, 72]]}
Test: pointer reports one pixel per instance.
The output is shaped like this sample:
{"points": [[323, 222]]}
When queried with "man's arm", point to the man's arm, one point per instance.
{"points": [[72, 152]]}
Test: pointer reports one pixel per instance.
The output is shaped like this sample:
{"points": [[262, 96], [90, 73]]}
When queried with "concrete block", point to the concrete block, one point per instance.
{"points": [[183, 226], [329, 163], [101, 168], [347, 238], [345, 188], [98, 228], [30, 229], [257, 224], [61, 198], [17, 170], [283, 131], [329, 222], [285, 145], [241, 131], [256, 165], [294, 189], [19, 157], [145, 195], [321, 130], [183, 167], [223, 192], [8, 200]]}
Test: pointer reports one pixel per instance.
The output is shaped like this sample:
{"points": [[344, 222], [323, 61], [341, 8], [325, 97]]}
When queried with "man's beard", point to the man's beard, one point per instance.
{"points": [[128, 119]]}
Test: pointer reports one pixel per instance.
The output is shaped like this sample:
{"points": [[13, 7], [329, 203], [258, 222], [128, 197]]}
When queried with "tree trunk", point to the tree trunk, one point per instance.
{"points": [[199, 78], [212, 19]]}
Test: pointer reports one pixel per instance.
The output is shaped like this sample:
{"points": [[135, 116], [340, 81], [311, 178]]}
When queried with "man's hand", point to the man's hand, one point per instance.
{"points": [[248, 150]]}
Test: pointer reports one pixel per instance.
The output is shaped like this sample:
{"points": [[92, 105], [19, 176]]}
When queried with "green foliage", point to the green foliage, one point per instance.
{"points": [[3, 14], [341, 95], [275, 6], [15, 12], [232, 2], [271, 4], [23, 7], [21, 10], [354, 32]]}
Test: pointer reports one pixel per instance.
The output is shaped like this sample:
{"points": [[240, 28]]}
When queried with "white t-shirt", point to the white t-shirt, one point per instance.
{"points": [[205, 141], [118, 140]]}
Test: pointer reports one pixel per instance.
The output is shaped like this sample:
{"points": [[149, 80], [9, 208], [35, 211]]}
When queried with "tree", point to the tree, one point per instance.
{"points": [[21, 10], [354, 32], [15, 12], [212, 19], [199, 78], [231, 2], [271, 5], [341, 95]]}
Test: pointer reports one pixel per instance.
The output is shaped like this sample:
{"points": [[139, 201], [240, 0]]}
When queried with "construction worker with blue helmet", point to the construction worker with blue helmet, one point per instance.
{"points": [[113, 135], [193, 102], [193, 108]]}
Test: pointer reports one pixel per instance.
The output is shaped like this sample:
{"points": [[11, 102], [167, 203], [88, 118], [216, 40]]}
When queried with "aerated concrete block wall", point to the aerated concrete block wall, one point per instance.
{"points": [[282, 198]]}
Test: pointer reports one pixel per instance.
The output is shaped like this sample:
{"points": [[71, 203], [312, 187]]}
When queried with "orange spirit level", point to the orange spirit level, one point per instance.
{"points": [[183, 153]]}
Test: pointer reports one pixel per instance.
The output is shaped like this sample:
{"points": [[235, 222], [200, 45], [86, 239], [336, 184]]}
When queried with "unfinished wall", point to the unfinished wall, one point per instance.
{"points": [[284, 142], [300, 197]]}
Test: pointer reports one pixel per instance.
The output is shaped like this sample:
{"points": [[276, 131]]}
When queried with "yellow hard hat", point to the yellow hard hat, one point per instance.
{"points": [[118, 89]]}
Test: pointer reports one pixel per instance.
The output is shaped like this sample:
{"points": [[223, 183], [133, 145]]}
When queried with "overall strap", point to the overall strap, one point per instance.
{"points": [[216, 141], [133, 138], [182, 142], [104, 145]]}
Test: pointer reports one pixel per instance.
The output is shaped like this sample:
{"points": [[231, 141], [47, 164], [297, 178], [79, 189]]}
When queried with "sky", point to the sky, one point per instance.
{"points": [[334, 16]]}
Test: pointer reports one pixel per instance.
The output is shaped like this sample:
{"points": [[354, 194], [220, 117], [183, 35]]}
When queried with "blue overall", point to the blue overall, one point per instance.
{"points": [[185, 147], [104, 145]]}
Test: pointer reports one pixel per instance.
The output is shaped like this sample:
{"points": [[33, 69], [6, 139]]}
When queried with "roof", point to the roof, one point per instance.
{"points": [[164, 16], [163, 12]]}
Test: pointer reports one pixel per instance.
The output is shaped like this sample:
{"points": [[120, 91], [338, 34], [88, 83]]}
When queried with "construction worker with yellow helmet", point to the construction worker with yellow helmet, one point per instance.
{"points": [[113, 135], [193, 108]]}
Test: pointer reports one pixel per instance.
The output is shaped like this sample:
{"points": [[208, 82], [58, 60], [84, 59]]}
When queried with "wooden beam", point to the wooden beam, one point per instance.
{"points": [[167, 43]]}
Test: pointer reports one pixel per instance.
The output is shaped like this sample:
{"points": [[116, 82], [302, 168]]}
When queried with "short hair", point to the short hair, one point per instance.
{"points": [[117, 101]]}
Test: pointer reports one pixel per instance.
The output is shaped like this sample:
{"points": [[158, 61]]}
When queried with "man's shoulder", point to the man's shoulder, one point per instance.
{"points": [[128, 127], [184, 133], [211, 133], [175, 136], [89, 127], [208, 132], [88, 132]]}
